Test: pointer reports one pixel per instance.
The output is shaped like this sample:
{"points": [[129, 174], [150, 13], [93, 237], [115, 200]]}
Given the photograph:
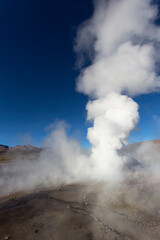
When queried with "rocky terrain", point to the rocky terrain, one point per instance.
{"points": [[74, 212]]}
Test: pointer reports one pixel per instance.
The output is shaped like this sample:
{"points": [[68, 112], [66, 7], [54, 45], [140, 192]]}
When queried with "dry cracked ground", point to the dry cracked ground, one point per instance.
{"points": [[73, 212]]}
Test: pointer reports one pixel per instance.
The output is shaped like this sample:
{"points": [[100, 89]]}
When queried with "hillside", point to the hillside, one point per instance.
{"points": [[20, 151]]}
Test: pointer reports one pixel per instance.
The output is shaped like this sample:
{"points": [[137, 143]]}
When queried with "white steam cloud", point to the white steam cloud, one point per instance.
{"points": [[114, 117], [122, 37]]}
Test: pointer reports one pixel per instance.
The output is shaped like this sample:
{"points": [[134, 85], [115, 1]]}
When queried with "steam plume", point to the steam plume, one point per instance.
{"points": [[122, 37]]}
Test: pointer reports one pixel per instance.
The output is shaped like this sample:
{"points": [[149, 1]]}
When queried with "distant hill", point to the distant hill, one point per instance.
{"points": [[28, 151], [20, 151], [23, 148], [134, 145]]}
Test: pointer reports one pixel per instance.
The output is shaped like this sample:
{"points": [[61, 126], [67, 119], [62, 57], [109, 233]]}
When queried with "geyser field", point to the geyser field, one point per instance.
{"points": [[110, 190], [81, 209]]}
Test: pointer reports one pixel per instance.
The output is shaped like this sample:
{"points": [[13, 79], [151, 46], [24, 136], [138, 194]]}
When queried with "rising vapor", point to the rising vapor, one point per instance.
{"points": [[123, 39]]}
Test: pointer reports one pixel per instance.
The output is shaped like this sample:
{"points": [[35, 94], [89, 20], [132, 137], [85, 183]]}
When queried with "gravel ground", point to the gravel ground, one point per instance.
{"points": [[73, 212]]}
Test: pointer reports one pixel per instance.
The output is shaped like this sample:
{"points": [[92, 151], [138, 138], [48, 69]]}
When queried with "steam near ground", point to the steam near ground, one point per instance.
{"points": [[122, 41]]}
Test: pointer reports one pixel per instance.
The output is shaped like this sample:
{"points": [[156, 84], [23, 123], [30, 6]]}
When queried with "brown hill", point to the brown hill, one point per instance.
{"points": [[19, 151], [135, 145]]}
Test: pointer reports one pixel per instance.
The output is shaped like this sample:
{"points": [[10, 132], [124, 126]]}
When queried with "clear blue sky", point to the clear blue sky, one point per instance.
{"points": [[37, 74]]}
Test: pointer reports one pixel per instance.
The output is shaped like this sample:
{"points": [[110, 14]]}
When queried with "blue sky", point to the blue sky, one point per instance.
{"points": [[37, 73]]}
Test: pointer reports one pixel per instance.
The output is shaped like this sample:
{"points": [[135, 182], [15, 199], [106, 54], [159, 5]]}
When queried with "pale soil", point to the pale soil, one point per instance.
{"points": [[73, 212]]}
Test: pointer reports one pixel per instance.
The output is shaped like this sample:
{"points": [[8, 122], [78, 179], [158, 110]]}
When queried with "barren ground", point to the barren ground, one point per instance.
{"points": [[73, 212]]}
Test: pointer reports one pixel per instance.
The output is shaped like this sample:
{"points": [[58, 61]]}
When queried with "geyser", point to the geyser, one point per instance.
{"points": [[123, 40]]}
